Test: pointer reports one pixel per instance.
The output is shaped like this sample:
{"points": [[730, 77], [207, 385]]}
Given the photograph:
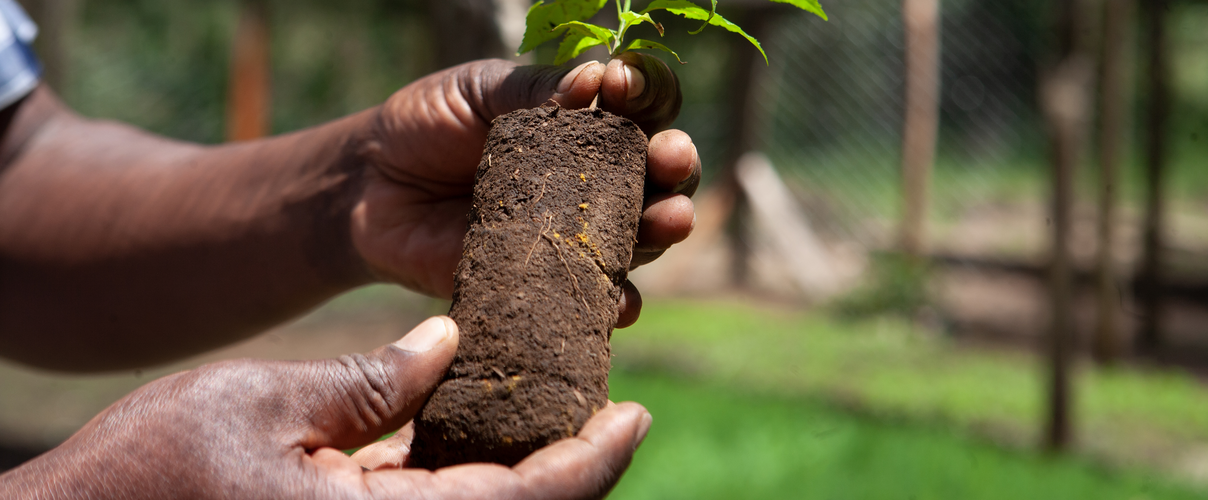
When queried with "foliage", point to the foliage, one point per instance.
{"points": [[566, 19], [714, 441], [882, 366], [897, 285]]}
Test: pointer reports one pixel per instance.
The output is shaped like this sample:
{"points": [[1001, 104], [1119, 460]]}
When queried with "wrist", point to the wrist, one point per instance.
{"points": [[346, 154]]}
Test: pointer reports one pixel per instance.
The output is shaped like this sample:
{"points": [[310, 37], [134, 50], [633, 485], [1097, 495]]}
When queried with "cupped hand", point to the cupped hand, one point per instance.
{"points": [[411, 220], [266, 429]]}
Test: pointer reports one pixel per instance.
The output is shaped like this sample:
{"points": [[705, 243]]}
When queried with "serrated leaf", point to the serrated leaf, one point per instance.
{"points": [[647, 44], [573, 45], [692, 11], [677, 4], [712, 12], [808, 6], [634, 19], [543, 19], [605, 35]]}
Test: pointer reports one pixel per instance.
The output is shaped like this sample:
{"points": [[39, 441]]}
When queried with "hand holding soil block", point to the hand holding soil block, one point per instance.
{"points": [[557, 200]]}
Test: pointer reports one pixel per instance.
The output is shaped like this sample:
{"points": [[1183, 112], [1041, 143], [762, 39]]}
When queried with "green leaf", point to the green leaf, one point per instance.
{"points": [[807, 5], [692, 11], [581, 36], [647, 44], [633, 19], [543, 19], [573, 45], [601, 33], [712, 12]]}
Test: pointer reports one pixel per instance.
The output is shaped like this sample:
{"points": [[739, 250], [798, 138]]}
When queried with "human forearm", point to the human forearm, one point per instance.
{"points": [[110, 236]]}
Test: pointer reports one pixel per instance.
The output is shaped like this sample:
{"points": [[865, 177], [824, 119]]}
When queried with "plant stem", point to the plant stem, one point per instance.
{"points": [[620, 29]]}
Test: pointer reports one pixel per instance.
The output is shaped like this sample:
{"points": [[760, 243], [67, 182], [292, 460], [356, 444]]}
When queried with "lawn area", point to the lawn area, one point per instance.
{"points": [[896, 385], [709, 441]]}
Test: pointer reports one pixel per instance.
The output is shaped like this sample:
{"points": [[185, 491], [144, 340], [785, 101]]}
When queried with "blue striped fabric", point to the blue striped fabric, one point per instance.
{"points": [[19, 68]]}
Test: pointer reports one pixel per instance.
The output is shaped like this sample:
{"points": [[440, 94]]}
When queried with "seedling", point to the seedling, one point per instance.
{"points": [[566, 19], [557, 202]]}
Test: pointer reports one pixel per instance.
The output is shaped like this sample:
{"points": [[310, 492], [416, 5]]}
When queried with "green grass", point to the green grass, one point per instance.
{"points": [[711, 441], [881, 368]]}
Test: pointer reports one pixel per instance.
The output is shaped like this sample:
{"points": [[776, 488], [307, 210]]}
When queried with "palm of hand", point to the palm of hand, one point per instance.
{"points": [[410, 221]]}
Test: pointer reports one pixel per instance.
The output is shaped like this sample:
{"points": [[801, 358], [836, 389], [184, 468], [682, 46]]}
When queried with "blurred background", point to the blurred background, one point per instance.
{"points": [[945, 249]]}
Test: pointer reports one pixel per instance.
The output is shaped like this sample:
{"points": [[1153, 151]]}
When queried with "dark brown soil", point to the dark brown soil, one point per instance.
{"points": [[557, 201]]}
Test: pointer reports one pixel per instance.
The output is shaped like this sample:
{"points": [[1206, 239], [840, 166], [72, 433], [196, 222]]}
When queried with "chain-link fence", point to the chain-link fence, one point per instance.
{"points": [[833, 108], [828, 110]]}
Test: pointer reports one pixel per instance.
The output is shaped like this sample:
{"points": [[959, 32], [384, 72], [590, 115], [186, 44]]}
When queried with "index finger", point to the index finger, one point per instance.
{"points": [[642, 88]]}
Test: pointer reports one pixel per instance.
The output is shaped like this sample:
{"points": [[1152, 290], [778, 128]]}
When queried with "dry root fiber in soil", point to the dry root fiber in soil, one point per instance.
{"points": [[557, 200]]}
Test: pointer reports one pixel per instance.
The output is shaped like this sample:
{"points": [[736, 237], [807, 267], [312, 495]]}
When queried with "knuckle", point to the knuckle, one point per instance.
{"points": [[370, 388]]}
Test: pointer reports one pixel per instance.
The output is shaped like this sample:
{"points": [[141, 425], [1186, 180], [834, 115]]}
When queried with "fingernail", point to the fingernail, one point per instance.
{"points": [[694, 174], [643, 428], [569, 80], [695, 165], [636, 81], [425, 336]]}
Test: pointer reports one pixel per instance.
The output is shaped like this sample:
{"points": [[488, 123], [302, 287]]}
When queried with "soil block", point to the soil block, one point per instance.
{"points": [[557, 199]]}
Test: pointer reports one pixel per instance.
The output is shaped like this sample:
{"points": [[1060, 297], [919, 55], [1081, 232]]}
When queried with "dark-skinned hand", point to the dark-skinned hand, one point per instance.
{"points": [[272, 429], [410, 222]]}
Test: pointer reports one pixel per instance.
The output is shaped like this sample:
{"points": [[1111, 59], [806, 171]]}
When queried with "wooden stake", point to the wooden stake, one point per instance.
{"points": [[1157, 74], [1064, 94], [249, 91], [748, 67], [921, 22], [1108, 345]]}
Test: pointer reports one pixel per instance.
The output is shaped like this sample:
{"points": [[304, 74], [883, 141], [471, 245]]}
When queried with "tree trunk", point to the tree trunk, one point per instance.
{"points": [[249, 97], [1108, 345], [921, 22], [1064, 99], [747, 66], [1150, 290]]}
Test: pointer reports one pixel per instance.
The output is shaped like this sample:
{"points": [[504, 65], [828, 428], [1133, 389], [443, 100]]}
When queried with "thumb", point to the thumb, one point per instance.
{"points": [[495, 87], [640, 87], [352, 400]]}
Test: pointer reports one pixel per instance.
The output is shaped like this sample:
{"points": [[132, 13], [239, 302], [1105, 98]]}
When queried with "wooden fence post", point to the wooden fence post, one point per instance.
{"points": [[1064, 94], [249, 91], [1107, 345], [746, 68], [1157, 74], [921, 23]]}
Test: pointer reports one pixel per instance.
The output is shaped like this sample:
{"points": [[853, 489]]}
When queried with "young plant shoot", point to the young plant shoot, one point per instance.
{"points": [[566, 19], [557, 202]]}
